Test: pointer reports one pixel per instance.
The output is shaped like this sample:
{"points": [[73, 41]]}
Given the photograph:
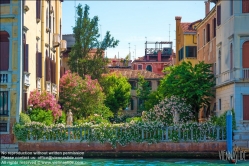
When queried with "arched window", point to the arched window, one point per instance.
{"points": [[4, 51], [149, 68], [231, 56]]}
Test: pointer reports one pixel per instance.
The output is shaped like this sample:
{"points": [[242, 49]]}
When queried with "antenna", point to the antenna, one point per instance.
{"points": [[129, 52], [169, 32]]}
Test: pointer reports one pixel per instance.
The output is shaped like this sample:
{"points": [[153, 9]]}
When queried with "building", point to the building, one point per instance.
{"points": [[30, 55], [206, 48], [232, 59], [186, 41], [132, 76], [158, 55]]}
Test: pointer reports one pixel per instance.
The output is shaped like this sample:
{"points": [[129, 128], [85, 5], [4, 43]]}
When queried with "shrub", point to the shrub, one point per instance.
{"points": [[43, 116], [94, 119], [24, 118], [135, 119], [62, 119], [221, 120], [44, 101], [163, 112]]}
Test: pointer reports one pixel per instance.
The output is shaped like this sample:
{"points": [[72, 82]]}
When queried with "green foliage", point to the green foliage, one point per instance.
{"points": [[24, 118], [62, 119], [143, 92], [221, 120], [117, 90], [153, 99], [135, 119], [193, 83], [94, 119], [86, 56], [43, 116], [20, 131]]}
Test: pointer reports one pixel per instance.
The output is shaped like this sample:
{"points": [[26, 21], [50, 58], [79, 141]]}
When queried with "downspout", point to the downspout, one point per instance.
{"points": [[42, 47]]}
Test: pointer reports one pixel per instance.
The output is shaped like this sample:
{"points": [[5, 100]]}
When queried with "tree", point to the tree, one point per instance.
{"points": [[143, 92], [193, 83], [117, 90], [153, 99], [86, 56], [83, 96]]}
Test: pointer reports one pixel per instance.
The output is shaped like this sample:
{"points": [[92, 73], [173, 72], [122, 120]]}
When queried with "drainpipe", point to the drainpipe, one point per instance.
{"points": [[42, 47]]}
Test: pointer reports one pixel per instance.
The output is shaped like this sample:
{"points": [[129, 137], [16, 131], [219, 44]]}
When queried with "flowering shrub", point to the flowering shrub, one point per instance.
{"points": [[45, 101], [164, 111], [82, 96], [123, 133]]}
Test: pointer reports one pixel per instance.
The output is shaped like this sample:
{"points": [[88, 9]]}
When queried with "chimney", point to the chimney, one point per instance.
{"points": [[148, 58], [159, 56], [207, 7]]}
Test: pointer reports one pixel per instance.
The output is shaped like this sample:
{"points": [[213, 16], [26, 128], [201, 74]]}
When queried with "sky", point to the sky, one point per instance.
{"points": [[135, 22]]}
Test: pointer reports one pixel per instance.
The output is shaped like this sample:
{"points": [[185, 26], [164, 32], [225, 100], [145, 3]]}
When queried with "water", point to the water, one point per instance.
{"points": [[123, 162]]}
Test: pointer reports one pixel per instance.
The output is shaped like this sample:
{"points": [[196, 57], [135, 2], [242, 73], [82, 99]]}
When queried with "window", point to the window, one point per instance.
{"points": [[231, 7], [204, 37], [245, 6], [149, 84], [218, 15], [139, 67], [245, 107], [48, 67], [231, 102], [214, 69], [214, 109], [132, 104], [208, 33], [38, 9], [133, 85], [3, 127], [219, 61], [191, 51], [4, 53], [38, 64], [25, 102], [214, 27], [231, 56], [47, 17], [219, 104], [4, 1], [198, 42], [4, 103], [25, 55], [181, 53], [149, 68]]}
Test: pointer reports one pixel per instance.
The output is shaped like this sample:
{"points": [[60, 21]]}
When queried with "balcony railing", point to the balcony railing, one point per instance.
{"points": [[54, 88], [48, 86], [38, 83], [26, 78], [232, 75], [5, 77]]}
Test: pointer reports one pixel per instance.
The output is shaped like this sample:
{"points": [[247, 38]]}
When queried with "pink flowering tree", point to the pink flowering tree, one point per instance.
{"points": [[45, 101], [165, 110], [82, 96]]}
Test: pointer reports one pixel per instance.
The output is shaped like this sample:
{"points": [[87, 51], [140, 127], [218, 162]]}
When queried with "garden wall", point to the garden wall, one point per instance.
{"points": [[162, 149]]}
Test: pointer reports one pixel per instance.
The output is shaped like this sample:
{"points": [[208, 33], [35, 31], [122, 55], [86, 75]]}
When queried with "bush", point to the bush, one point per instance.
{"points": [[95, 119], [221, 120], [43, 116], [62, 119], [135, 119], [24, 118]]}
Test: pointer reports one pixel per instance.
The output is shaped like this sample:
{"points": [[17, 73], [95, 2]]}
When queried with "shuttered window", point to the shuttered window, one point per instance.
{"points": [[245, 107], [26, 58], [208, 32], [39, 64], [218, 15], [4, 103], [191, 51], [245, 6], [38, 9], [4, 51], [62, 71], [48, 69], [214, 27], [25, 102]]}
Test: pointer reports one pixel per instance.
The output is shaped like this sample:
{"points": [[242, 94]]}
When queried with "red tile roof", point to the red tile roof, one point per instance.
{"points": [[187, 26]]}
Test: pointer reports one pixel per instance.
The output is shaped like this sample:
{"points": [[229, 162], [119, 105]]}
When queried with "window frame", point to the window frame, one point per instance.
{"points": [[4, 102]]}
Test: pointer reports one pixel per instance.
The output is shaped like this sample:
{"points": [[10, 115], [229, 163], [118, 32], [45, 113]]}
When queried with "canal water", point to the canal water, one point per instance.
{"points": [[123, 162]]}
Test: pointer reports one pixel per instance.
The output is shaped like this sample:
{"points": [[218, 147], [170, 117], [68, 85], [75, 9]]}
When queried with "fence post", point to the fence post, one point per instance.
{"points": [[229, 132]]}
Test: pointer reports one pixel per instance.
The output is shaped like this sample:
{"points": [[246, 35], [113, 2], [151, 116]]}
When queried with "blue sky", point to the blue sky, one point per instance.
{"points": [[134, 21]]}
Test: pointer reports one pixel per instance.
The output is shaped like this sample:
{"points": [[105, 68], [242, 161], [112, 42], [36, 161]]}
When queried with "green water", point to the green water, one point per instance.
{"points": [[123, 162]]}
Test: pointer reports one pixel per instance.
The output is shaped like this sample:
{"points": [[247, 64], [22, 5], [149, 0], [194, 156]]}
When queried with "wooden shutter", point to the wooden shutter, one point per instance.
{"points": [[245, 107], [214, 27], [245, 6], [218, 15], [24, 102], [38, 9], [208, 32], [26, 58], [4, 56]]}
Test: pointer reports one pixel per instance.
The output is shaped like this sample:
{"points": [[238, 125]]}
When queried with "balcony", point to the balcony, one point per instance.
{"points": [[5, 77], [26, 78], [236, 74], [48, 86], [54, 88], [63, 46], [56, 40], [38, 83]]}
